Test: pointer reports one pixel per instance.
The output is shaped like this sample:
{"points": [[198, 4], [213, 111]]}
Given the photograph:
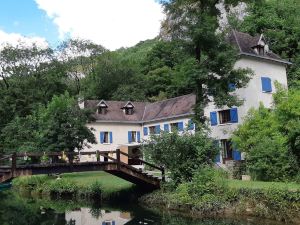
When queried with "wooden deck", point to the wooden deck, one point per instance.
{"points": [[112, 165]]}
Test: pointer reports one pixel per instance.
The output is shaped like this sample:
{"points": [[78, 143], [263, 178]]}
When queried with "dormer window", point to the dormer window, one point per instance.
{"points": [[102, 107], [261, 48], [128, 108]]}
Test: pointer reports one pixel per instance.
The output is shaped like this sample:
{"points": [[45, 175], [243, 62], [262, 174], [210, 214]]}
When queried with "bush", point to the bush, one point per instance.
{"points": [[62, 187], [181, 154], [30, 182]]}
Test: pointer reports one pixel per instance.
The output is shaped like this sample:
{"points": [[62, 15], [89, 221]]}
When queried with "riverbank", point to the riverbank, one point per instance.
{"points": [[98, 185], [268, 200]]}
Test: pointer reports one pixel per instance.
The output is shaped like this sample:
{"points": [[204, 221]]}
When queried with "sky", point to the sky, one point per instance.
{"points": [[110, 23]]}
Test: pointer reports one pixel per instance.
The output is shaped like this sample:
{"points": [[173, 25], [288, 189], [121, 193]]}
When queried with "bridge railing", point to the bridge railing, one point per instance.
{"points": [[29, 158]]}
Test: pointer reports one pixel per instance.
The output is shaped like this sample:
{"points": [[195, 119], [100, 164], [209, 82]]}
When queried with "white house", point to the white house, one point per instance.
{"points": [[119, 123], [267, 67], [127, 123]]}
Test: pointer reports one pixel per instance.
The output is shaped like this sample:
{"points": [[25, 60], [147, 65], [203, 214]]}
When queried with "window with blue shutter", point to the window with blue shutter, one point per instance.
{"points": [[129, 137], [191, 125], [218, 158], [180, 126], [166, 127], [145, 131], [157, 129], [213, 119], [111, 137], [237, 155], [101, 137], [231, 87], [139, 136], [266, 84], [234, 118], [113, 223]]}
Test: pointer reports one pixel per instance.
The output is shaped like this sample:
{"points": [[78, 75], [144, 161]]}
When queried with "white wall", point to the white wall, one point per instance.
{"points": [[119, 133], [185, 121], [252, 94]]}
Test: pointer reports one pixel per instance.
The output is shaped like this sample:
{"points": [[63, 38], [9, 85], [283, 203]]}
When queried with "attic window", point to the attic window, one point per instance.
{"points": [[128, 108], [102, 107]]}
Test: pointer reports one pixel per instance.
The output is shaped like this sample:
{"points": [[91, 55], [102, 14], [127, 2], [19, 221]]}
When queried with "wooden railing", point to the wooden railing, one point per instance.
{"points": [[11, 161]]}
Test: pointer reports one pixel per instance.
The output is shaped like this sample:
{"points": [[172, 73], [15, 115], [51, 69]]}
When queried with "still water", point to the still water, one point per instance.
{"points": [[15, 209]]}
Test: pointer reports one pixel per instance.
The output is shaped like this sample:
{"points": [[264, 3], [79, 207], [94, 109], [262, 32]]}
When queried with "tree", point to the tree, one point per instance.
{"points": [[279, 22], [80, 57], [63, 125], [30, 76], [60, 126], [271, 137], [211, 65], [181, 154]]}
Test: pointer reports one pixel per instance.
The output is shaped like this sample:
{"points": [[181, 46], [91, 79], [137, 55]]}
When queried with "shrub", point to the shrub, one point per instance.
{"points": [[181, 154], [62, 187]]}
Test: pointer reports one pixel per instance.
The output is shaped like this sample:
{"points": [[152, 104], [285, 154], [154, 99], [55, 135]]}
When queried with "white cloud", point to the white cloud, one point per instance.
{"points": [[15, 38], [111, 23]]}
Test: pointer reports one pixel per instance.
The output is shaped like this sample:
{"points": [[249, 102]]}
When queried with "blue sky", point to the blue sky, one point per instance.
{"points": [[24, 17], [97, 20]]}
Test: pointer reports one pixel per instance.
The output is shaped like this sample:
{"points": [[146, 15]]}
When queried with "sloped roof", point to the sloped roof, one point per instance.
{"points": [[144, 111], [245, 43], [170, 108]]}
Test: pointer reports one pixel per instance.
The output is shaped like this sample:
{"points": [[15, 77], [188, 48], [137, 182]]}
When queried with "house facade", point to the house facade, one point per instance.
{"points": [[268, 68], [119, 123]]}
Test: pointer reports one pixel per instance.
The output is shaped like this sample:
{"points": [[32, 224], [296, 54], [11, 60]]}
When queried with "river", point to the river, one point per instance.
{"points": [[20, 210]]}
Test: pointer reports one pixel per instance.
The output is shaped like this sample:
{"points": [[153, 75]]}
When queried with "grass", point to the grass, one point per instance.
{"points": [[108, 182], [237, 184]]}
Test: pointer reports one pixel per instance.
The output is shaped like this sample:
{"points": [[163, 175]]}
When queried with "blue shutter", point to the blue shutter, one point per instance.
{"points": [[129, 137], [237, 155], [101, 137], [234, 118], [145, 131], [218, 158], [113, 223], [139, 136], [266, 84], [231, 87], [213, 119], [191, 125], [157, 129], [166, 127], [103, 223], [180, 126], [111, 137]]}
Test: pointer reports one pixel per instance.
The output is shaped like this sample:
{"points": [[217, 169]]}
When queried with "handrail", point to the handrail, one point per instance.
{"points": [[116, 159], [6, 157], [144, 162]]}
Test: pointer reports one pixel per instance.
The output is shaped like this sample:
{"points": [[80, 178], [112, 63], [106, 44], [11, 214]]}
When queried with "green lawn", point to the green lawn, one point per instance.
{"points": [[263, 185], [109, 182]]}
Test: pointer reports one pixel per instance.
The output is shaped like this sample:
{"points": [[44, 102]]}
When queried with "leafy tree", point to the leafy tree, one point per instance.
{"points": [[59, 126], [261, 136], [63, 125], [181, 154], [211, 66], [279, 22], [80, 57]]}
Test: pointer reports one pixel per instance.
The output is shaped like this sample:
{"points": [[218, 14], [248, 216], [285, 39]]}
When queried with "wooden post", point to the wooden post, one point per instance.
{"points": [[13, 164], [163, 175], [118, 159]]}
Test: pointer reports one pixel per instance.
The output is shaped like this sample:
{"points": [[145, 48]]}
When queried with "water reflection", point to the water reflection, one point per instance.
{"points": [[15, 209]]}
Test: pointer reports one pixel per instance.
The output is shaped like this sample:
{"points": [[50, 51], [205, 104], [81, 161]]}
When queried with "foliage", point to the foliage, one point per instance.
{"points": [[279, 22], [181, 154], [211, 63], [63, 125], [57, 127], [270, 138]]}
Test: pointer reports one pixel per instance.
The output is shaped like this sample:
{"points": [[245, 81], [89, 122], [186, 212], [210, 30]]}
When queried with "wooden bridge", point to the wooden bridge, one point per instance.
{"points": [[17, 164]]}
